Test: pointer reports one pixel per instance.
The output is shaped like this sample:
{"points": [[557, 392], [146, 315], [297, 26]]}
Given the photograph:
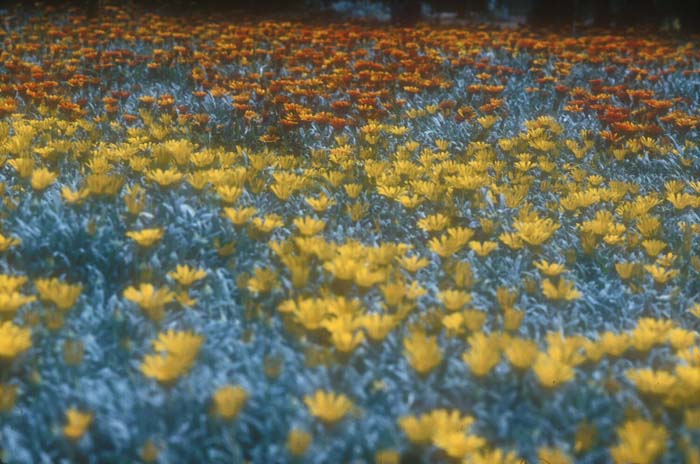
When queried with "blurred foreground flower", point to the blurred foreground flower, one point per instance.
{"points": [[77, 423], [13, 340], [228, 401]]}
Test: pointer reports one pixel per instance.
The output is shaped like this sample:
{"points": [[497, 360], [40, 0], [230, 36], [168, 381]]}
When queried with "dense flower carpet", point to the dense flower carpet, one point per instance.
{"points": [[229, 240]]}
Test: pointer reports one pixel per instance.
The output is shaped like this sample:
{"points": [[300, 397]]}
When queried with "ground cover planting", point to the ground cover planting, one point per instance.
{"points": [[229, 240]]}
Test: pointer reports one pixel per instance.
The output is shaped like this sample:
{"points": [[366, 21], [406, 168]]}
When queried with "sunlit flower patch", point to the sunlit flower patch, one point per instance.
{"points": [[268, 241]]}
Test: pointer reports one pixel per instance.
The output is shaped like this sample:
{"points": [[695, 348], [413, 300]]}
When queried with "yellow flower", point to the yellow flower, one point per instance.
{"points": [[660, 274], [454, 300], [8, 397], [42, 178], [550, 269], [13, 340], [418, 429], [239, 216], [681, 338], [346, 341], [178, 351], [483, 249], [413, 263], [328, 406], [164, 178], [77, 423], [512, 318], [74, 197], [553, 456], [552, 372], [11, 302], [423, 352], [320, 204], [458, 445], [653, 247], [511, 240], [10, 283], [262, 281], [615, 344], [135, 199], [268, 223], [521, 353], [309, 226], [495, 456], [387, 456], [564, 290], [378, 326], [625, 269], [434, 223], [423, 429], [483, 355], [163, 368], [641, 442], [691, 418], [146, 237], [186, 275], [229, 193], [62, 294], [298, 442], [184, 345], [150, 299], [228, 401], [454, 323], [8, 242], [535, 231]]}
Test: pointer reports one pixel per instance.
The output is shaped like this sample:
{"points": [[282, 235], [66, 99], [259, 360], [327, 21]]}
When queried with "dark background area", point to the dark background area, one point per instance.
{"points": [[682, 15]]}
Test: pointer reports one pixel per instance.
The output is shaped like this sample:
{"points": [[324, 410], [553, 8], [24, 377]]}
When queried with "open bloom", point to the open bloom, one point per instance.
{"points": [[42, 178], [146, 237], [186, 275], [150, 299], [328, 406], [62, 294], [177, 353]]}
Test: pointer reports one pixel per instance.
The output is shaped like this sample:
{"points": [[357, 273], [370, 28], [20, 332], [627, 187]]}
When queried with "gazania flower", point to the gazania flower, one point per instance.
{"points": [[146, 237], [228, 401], [42, 178], [550, 372], [328, 406], [62, 294], [8, 397], [298, 442], [309, 226], [423, 352], [77, 423], [639, 441], [239, 216], [177, 353], [550, 269], [10, 302], [564, 290], [164, 178], [13, 340], [8, 242], [150, 299], [186, 275]]}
